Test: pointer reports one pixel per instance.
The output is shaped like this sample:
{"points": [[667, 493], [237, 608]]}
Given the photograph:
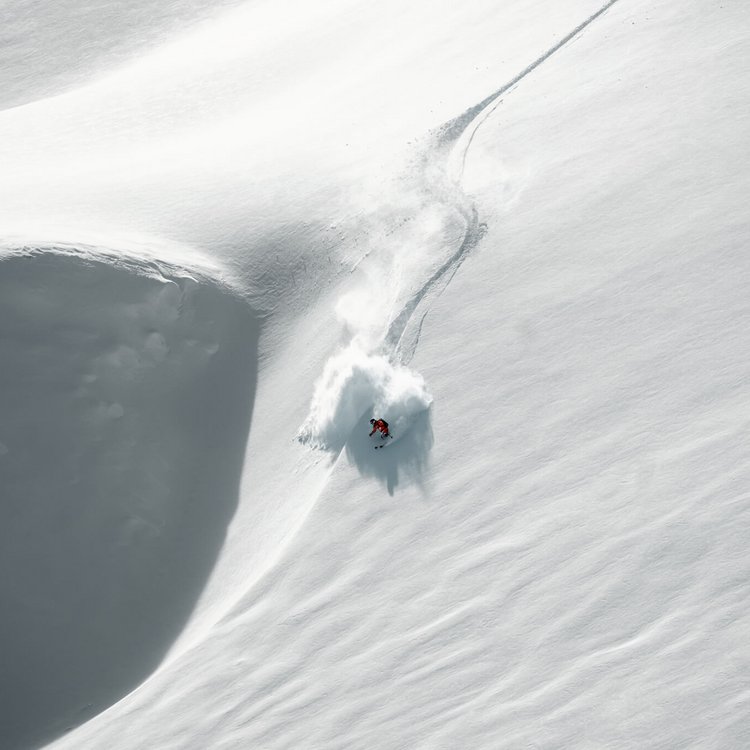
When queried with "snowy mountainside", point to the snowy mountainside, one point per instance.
{"points": [[549, 288]]}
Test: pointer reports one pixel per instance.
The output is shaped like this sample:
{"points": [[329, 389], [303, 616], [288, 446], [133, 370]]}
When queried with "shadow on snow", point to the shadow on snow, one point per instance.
{"points": [[403, 458], [125, 403]]}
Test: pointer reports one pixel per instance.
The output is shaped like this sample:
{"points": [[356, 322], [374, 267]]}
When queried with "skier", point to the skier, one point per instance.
{"points": [[380, 425]]}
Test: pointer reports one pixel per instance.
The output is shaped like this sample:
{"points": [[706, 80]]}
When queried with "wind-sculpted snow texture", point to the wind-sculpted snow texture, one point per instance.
{"points": [[543, 289]]}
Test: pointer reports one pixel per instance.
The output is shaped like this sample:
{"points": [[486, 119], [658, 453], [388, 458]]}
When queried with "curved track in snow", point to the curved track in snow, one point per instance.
{"points": [[447, 159]]}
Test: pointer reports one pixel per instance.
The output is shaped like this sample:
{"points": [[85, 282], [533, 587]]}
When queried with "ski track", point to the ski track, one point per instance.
{"points": [[403, 334], [405, 330], [452, 130], [400, 327]]}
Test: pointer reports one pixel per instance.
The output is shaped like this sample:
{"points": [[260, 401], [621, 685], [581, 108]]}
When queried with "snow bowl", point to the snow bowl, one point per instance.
{"points": [[126, 393]]}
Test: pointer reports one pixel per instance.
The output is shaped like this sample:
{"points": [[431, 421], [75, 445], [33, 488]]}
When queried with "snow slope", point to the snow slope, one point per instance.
{"points": [[549, 286], [52, 47]]}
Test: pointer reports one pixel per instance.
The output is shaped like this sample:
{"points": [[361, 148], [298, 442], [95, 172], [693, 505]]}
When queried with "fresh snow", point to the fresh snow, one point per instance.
{"points": [[232, 233]]}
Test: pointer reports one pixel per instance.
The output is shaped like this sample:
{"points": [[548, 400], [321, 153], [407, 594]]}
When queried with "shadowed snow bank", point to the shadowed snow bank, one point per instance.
{"points": [[126, 394]]}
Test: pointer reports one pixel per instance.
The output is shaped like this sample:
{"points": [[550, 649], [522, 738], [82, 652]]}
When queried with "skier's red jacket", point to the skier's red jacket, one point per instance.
{"points": [[379, 424]]}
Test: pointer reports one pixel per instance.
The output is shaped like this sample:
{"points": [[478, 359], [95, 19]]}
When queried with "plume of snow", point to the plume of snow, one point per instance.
{"points": [[355, 383], [363, 378]]}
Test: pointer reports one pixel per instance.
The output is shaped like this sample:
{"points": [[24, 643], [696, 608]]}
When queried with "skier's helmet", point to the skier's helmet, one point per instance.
{"points": [[372, 421]]}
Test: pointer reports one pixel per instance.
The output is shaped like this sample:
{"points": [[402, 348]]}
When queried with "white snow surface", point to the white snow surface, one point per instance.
{"points": [[231, 233]]}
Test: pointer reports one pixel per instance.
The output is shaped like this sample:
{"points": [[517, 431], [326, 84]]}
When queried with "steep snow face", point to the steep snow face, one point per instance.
{"points": [[561, 559], [126, 394], [572, 572]]}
